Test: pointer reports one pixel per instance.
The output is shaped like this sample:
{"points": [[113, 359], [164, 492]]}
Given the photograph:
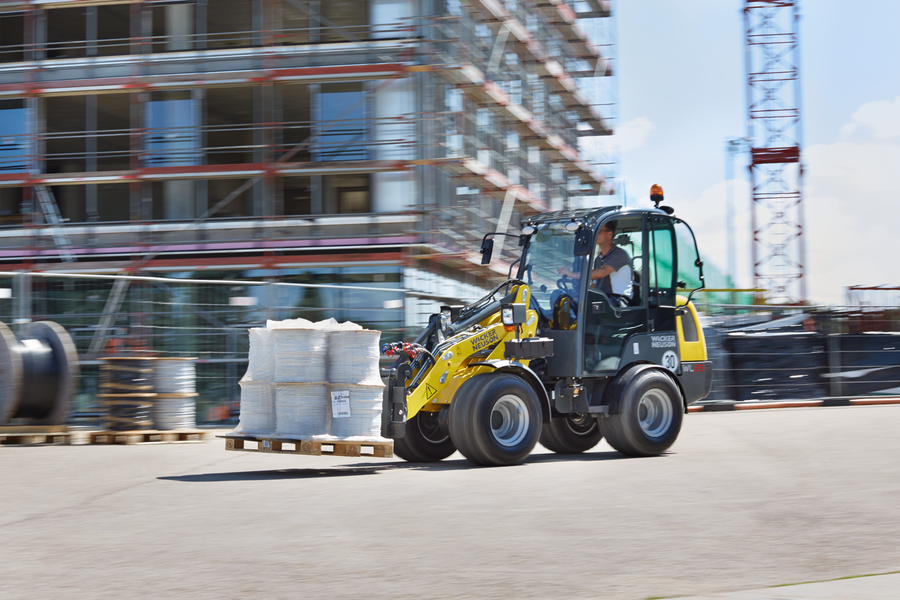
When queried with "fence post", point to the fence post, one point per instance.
{"points": [[836, 384], [22, 293]]}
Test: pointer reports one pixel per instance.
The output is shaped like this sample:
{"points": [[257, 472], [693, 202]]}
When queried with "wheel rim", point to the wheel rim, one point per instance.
{"points": [[509, 420], [581, 425], [430, 428], [655, 413]]}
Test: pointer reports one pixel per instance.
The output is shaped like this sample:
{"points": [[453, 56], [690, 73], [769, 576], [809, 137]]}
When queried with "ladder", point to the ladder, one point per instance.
{"points": [[54, 220]]}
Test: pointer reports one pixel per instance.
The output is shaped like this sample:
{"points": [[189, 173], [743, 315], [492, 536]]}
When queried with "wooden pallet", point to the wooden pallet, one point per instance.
{"points": [[147, 436], [23, 435], [309, 447]]}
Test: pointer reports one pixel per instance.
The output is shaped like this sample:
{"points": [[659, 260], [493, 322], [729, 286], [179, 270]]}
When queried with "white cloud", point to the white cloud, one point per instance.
{"points": [[880, 119], [851, 208], [633, 134]]}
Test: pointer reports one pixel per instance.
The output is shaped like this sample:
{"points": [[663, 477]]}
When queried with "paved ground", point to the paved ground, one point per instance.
{"points": [[744, 501]]}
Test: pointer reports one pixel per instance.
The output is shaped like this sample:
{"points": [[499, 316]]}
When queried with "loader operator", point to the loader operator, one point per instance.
{"points": [[612, 268]]}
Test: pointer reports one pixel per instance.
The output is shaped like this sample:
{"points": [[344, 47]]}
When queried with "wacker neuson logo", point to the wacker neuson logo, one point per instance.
{"points": [[663, 341]]}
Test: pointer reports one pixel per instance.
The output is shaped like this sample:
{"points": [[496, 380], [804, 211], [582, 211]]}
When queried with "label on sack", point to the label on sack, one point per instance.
{"points": [[340, 404]]}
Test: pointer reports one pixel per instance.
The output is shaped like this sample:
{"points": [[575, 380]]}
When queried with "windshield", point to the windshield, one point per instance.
{"points": [[549, 250]]}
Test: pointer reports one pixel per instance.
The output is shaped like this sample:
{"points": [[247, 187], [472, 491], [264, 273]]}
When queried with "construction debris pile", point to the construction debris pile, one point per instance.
{"points": [[317, 381]]}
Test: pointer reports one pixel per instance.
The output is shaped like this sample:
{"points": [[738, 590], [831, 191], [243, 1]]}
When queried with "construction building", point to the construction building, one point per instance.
{"points": [[338, 147]]}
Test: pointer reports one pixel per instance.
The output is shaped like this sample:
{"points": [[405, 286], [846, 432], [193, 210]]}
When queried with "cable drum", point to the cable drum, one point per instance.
{"points": [[300, 409], [353, 357], [299, 355], [365, 412], [175, 411], [257, 408], [37, 371], [174, 376], [127, 398]]}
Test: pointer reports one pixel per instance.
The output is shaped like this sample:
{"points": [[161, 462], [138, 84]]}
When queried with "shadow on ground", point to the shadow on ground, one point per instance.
{"points": [[370, 469]]}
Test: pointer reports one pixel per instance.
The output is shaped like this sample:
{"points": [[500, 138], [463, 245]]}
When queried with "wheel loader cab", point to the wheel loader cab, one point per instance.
{"points": [[594, 330]]}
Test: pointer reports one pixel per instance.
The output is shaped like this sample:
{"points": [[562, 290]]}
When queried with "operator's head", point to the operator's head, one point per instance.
{"points": [[606, 234]]}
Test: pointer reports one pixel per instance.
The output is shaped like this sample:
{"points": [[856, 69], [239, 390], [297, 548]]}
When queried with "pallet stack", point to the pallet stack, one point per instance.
{"points": [[147, 399]]}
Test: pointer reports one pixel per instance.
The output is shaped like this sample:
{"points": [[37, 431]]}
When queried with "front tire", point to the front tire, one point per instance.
{"points": [[495, 420], [571, 434], [423, 440], [650, 415]]}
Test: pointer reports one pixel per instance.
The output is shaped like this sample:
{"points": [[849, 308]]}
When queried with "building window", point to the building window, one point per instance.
{"points": [[294, 24], [344, 20], [10, 206], [13, 136], [295, 130], [229, 24], [297, 194], [12, 38], [346, 193], [66, 33], [229, 126], [113, 202], [343, 134], [172, 132]]}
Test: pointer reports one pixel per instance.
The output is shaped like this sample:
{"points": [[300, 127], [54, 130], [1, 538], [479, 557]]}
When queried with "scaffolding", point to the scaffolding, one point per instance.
{"points": [[285, 139]]}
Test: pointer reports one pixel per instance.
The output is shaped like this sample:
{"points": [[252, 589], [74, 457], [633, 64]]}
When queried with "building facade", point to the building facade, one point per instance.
{"points": [[338, 147]]}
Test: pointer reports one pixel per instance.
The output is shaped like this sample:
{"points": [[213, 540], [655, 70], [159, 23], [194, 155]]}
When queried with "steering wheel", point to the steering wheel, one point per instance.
{"points": [[567, 284]]}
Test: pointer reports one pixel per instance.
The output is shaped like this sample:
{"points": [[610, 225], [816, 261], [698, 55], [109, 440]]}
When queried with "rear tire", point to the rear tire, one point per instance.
{"points": [[495, 419], [423, 440], [571, 434], [650, 415]]}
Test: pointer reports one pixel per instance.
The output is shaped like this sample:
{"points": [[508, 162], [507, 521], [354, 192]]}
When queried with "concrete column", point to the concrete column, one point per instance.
{"points": [[178, 200], [179, 27]]}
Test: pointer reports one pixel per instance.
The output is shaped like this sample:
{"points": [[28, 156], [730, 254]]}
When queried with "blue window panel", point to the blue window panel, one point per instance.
{"points": [[13, 136], [173, 137], [344, 135]]}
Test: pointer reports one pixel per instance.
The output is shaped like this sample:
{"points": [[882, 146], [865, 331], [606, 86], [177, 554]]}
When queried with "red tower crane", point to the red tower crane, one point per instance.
{"points": [[776, 169]]}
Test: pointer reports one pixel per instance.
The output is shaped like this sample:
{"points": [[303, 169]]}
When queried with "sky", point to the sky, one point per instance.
{"points": [[682, 92]]}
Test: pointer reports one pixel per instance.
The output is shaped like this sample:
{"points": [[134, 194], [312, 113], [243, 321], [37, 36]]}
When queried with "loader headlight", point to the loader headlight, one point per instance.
{"points": [[512, 315]]}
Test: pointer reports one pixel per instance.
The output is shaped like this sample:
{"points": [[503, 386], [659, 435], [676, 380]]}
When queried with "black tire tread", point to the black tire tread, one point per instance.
{"points": [[557, 437], [413, 447], [624, 434]]}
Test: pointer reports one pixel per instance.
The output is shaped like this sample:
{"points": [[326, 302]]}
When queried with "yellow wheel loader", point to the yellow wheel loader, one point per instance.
{"points": [[552, 355]]}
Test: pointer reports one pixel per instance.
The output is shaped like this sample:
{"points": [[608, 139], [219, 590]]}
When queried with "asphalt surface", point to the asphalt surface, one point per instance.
{"points": [[744, 501]]}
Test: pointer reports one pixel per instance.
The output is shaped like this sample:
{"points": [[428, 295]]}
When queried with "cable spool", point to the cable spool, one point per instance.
{"points": [[128, 398], [174, 376], [299, 355], [300, 409], [38, 370], [353, 356], [174, 381], [365, 412]]}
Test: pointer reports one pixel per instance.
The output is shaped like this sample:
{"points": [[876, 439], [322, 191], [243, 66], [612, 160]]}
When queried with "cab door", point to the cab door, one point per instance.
{"points": [[606, 325], [662, 281]]}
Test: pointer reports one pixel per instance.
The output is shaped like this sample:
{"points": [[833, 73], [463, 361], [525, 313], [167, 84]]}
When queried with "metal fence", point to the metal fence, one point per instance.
{"points": [[790, 353], [202, 318], [758, 352]]}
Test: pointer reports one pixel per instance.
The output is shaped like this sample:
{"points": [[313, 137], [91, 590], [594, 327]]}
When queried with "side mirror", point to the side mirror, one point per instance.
{"points": [[583, 239], [487, 248]]}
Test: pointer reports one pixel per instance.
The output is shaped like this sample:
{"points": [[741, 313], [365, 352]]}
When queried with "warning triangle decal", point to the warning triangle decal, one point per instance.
{"points": [[429, 391]]}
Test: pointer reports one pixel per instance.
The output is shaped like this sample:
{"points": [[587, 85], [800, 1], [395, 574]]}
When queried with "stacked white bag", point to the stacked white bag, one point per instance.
{"points": [[313, 381]]}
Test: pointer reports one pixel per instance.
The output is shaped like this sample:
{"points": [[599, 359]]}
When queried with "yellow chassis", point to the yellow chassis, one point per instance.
{"points": [[453, 365]]}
